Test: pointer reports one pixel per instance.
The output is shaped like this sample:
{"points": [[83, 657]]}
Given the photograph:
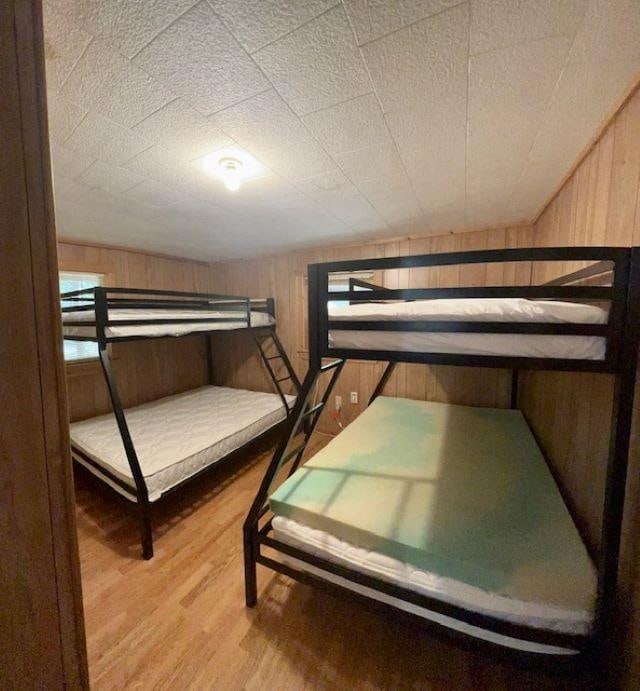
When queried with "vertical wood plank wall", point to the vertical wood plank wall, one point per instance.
{"points": [[598, 205], [148, 370], [284, 277], [145, 369]]}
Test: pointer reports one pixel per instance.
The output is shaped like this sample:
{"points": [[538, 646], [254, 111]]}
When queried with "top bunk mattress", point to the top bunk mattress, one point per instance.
{"points": [[258, 319], [175, 436], [461, 493], [475, 309]]}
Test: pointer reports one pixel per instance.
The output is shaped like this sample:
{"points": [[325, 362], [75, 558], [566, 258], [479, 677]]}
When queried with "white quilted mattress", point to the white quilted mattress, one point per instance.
{"points": [[476, 309], [177, 436], [124, 331], [339, 551]]}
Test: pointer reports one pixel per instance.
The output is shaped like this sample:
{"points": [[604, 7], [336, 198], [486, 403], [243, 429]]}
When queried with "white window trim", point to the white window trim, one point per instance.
{"points": [[79, 275]]}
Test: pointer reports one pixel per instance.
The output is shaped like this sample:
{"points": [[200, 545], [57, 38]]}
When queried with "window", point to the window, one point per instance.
{"points": [[75, 280]]}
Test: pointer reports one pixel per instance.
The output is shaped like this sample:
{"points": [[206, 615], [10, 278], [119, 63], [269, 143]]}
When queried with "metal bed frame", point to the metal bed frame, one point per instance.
{"points": [[622, 334], [101, 300]]}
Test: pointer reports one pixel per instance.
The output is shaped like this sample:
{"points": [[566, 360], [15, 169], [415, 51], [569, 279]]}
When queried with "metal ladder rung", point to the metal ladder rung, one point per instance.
{"points": [[263, 510], [283, 379], [331, 365], [293, 454], [275, 357], [315, 408]]}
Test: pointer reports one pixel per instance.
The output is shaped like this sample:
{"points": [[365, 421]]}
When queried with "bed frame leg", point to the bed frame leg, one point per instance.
{"points": [[146, 534], [250, 570]]}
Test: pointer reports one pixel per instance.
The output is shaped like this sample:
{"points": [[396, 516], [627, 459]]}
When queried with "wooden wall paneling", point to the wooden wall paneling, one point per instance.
{"points": [[42, 634], [283, 276], [598, 205]]}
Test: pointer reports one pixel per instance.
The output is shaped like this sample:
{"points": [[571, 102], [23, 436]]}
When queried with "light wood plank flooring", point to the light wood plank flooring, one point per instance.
{"points": [[179, 620]]}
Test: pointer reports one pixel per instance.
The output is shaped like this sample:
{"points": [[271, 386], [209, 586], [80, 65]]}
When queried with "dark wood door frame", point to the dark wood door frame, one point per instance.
{"points": [[42, 643]]}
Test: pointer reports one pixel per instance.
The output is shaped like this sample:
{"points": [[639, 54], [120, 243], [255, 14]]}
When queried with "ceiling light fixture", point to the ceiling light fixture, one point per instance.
{"points": [[233, 166], [231, 172]]}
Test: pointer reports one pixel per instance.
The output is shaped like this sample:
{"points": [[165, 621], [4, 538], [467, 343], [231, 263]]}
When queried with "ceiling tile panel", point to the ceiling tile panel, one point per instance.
{"points": [[161, 164], [207, 213], [509, 90], [393, 199], [447, 217], [198, 58], [446, 189], [431, 141], [68, 163], [603, 61], [153, 193], [255, 23], [424, 62], [348, 126], [181, 129], [64, 117], [105, 203], [65, 39], [100, 138], [131, 24], [337, 195], [105, 81], [372, 19], [65, 188], [378, 161], [113, 179], [488, 198], [608, 39], [317, 65], [268, 129], [502, 23]]}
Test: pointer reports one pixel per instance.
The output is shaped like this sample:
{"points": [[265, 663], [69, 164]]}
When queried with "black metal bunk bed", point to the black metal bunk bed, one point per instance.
{"points": [[116, 315], [621, 333]]}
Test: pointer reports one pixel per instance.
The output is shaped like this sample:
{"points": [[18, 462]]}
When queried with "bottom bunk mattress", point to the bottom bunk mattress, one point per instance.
{"points": [[451, 501], [175, 437]]}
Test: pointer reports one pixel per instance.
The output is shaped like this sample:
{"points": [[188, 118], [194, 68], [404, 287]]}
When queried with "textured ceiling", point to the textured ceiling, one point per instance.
{"points": [[372, 117]]}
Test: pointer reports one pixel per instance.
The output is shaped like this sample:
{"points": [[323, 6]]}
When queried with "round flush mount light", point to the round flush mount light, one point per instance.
{"points": [[231, 170], [233, 166]]}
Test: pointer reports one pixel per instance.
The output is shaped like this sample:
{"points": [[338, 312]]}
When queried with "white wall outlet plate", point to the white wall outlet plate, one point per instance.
{"points": [[338, 402], [354, 397]]}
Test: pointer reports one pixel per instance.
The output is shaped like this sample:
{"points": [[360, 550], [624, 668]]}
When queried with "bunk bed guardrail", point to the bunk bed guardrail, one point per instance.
{"points": [[615, 295], [103, 300]]}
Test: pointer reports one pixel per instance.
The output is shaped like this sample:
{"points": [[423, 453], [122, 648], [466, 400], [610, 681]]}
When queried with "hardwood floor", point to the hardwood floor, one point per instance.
{"points": [[179, 620]]}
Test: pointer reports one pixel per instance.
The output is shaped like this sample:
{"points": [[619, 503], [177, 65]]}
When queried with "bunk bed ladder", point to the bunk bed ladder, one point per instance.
{"points": [[303, 418], [281, 355]]}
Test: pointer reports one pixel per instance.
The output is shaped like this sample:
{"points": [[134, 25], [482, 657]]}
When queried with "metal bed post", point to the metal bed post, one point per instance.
{"points": [[142, 494], [513, 400], [313, 326], [388, 371], [620, 437], [207, 345]]}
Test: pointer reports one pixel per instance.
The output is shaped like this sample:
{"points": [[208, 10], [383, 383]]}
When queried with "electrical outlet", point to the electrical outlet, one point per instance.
{"points": [[338, 402], [354, 397]]}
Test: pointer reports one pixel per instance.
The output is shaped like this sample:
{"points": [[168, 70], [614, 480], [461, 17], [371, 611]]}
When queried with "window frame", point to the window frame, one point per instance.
{"points": [[83, 364]]}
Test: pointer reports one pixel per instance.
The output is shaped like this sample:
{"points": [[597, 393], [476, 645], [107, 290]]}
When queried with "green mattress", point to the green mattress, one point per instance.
{"points": [[458, 491]]}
